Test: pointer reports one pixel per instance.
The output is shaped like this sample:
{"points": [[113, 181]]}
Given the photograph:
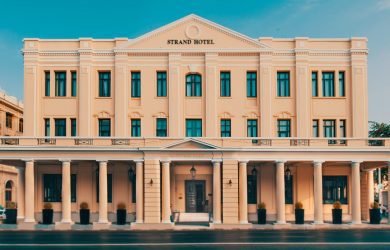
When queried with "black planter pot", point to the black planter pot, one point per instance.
{"points": [[11, 215], [375, 216], [261, 216], [299, 216], [337, 216], [121, 216], [84, 216], [47, 216]]}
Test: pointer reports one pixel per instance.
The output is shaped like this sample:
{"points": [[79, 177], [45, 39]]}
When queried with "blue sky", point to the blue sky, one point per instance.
{"points": [[255, 18]]}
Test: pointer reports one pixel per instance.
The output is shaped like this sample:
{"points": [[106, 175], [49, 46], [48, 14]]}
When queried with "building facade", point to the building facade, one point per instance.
{"points": [[194, 121]]}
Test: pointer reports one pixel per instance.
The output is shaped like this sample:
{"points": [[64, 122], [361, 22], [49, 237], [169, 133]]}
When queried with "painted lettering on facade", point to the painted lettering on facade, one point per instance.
{"points": [[190, 41]]}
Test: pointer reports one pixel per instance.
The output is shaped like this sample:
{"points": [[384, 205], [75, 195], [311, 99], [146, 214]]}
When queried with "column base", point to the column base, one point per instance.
{"points": [[64, 225], [356, 223], [231, 226], [27, 225], [318, 223], [101, 225], [151, 226]]}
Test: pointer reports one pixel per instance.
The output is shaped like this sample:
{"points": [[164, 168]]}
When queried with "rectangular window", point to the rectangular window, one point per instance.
{"points": [[104, 127], [252, 189], [251, 84], [47, 83], [288, 192], [328, 84], [8, 120], [60, 83], [329, 128], [136, 84], [226, 128], [73, 127], [225, 83], [342, 83], [343, 129], [284, 128], [194, 85], [283, 79], [109, 187], [252, 128], [135, 127], [74, 83], [21, 125], [52, 187], [162, 83], [60, 127], [161, 127], [134, 190], [316, 132], [194, 127], [314, 83], [47, 127], [104, 84], [335, 188]]}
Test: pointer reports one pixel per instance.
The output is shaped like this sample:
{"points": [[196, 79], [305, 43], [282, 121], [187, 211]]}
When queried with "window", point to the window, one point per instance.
{"points": [[8, 191], [193, 85], [134, 189], [334, 188], [109, 187], [135, 127], [288, 191], [342, 83], [104, 127], [316, 132], [343, 129], [74, 83], [161, 127], [193, 127], [162, 83], [314, 83], [60, 83], [251, 84], [8, 120], [73, 127], [21, 125], [52, 187], [47, 83], [252, 189], [283, 79], [60, 127], [284, 128], [226, 128], [136, 84], [47, 127], [225, 83], [252, 128], [329, 128], [328, 84], [104, 84]]}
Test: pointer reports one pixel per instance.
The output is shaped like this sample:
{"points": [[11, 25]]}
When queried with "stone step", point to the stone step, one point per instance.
{"points": [[193, 217]]}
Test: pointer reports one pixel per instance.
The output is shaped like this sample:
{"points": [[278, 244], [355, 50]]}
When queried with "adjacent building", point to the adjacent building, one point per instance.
{"points": [[196, 121]]}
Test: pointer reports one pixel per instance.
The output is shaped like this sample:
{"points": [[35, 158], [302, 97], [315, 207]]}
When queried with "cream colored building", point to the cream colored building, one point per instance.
{"points": [[196, 121]]}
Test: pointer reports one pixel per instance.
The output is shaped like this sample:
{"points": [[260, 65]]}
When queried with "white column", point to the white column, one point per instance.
{"points": [[29, 216], [356, 206], [318, 207], [243, 194], [66, 193], [166, 199], [140, 191], [280, 196], [216, 191], [379, 185], [370, 187], [20, 193], [388, 191], [103, 192]]}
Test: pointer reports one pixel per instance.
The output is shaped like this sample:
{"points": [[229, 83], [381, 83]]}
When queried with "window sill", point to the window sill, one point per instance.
{"points": [[193, 97], [284, 97], [60, 97], [103, 97], [329, 97], [225, 97]]}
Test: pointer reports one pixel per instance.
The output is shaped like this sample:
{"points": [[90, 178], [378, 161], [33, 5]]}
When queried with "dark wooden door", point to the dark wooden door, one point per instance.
{"points": [[195, 196]]}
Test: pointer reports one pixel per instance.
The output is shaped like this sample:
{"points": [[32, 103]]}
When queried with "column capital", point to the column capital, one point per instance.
{"points": [[280, 161], [139, 160], [356, 162], [165, 161], [243, 161], [65, 160], [102, 160], [318, 162], [216, 160], [28, 160]]}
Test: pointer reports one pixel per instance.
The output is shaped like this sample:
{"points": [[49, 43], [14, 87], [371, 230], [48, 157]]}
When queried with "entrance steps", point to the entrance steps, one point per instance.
{"points": [[192, 217]]}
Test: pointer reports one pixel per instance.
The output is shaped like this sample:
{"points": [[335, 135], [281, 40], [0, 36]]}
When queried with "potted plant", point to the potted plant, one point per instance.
{"points": [[337, 213], [299, 213], [47, 213], [121, 214], [261, 213], [375, 213], [84, 213], [10, 212]]}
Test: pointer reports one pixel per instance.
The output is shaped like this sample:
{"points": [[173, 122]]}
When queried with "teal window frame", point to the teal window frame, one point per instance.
{"points": [[74, 83], [161, 83], [136, 127], [342, 83], [47, 83], [335, 188], [135, 84], [314, 83], [283, 84], [193, 127], [60, 126], [73, 127], [104, 84], [226, 128], [284, 128], [47, 127], [252, 128], [328, 89], [316, 126], [194, 85], [104, 127], [251, 84], [60, 87], [225, 83], [161, 127]]}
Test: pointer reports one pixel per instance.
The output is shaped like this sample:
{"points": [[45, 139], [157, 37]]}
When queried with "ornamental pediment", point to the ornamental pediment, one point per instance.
{"points": [[190, 143], [192, 33]]}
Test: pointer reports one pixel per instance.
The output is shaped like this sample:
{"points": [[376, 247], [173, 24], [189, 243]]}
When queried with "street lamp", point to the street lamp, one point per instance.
{"points": [[131, 174], [193, 172], [254, 171]]}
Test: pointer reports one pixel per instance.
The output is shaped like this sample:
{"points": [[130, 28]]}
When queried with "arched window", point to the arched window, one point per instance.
{"points": [[194, 85], [8, 191]]}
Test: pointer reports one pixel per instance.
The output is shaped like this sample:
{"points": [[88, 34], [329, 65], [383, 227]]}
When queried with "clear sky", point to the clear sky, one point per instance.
{"points": [[255, 18]]}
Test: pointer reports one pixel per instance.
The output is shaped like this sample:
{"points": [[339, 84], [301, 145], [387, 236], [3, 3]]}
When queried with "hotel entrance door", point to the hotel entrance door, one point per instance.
{"points": [[195, 196]]}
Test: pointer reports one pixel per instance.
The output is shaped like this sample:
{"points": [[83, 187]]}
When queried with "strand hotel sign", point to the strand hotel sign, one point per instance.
{"points": [[189, 41]]}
